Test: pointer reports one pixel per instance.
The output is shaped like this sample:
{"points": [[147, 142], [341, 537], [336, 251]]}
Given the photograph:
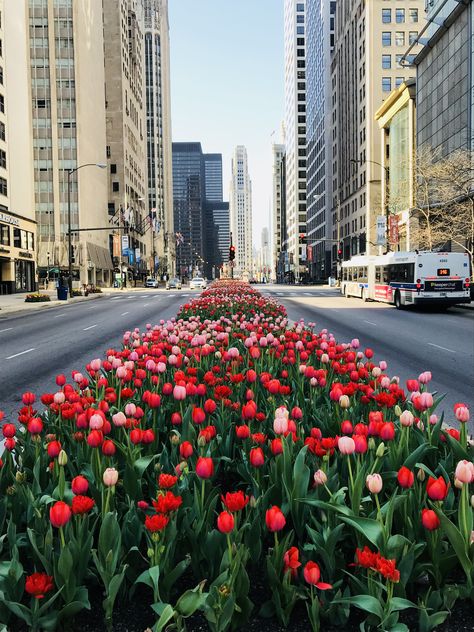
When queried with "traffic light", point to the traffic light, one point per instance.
{"points": [[339, 252], [231, 253]]}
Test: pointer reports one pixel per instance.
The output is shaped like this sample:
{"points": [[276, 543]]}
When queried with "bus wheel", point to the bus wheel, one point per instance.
{"points": [[398, 301]]}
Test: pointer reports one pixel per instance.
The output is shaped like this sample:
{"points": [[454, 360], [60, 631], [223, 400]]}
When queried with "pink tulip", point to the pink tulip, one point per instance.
{"points": [[407, 418], [346, 445], [110, 477], [179, 393], [465, 471], [462, 414], [374, 483], [96, 422], [320, 478], [119, 419]]}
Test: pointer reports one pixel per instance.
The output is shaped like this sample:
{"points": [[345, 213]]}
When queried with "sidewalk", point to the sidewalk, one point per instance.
{"points": [[14, 303]]}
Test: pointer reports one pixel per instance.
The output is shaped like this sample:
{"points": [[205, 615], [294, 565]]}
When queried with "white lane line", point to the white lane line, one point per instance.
{"points": [[146, 304], [19, 354], [7, 329], [432, 344], [93, 307], [370, 322], [59, 315], [125, 313], [91, 327], [116, 298]]}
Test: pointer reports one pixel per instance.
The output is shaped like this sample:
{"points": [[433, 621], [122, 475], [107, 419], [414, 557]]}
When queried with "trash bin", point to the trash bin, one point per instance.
{"points": [[62, 292]]}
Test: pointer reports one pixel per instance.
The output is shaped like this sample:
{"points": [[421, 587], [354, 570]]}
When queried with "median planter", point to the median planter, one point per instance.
{"points": [[224, 466], [37, 298]]}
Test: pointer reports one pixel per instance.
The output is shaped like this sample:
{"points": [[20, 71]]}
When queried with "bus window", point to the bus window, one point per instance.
{"points": [[363, 273], [349, 274], [385, 274], [378, 274], [411, 273]]}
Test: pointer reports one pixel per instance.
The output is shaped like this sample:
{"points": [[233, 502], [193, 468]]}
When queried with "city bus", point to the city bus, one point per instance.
{"points": [[408, 278]]}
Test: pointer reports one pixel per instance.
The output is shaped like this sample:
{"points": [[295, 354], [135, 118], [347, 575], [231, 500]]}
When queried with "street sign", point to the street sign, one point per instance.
{"points": [[381, 230], [125, 244]]}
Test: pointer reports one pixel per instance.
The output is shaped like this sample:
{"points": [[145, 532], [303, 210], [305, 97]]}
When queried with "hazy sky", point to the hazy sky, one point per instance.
{"points": [[227, 84]]}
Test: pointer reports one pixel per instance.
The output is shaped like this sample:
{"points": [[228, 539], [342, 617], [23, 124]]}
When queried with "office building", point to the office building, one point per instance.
{"points": [[319, 46], [213, 177], [158, 138], [295, 126], [444, 75], [66, 41], [240, 204], [217, 221], [370, 40], [17, 202], [189, 203], [123, 24], [279, 222]]}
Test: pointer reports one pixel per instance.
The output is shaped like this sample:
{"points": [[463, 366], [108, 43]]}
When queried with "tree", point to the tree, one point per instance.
{"points": [[443, 205]]}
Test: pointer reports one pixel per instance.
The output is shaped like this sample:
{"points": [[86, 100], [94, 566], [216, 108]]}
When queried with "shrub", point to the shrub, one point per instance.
{"points": [[37, 298]]}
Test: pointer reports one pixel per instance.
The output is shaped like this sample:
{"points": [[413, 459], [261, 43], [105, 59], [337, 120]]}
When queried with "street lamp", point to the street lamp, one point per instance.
{"points": [[101, 165]]}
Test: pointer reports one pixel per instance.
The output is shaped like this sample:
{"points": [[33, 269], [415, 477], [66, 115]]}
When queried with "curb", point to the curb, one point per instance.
{"points": [[6, 311]]}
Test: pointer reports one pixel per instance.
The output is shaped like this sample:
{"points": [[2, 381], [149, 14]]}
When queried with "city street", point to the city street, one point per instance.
{"points": [[410, 341], [35, 347]]}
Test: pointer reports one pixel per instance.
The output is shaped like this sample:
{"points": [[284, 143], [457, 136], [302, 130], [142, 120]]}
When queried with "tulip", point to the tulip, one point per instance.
{"points": [[110, 477], [280, 424], [407, 418], [312, 575], [198, 415], [405, 477], [346, 445], [344, 401], [429, 519], [108, 448], [360, 442], [320, 478], [53, 449], [186, 450], [374, 483], [96, 422], [462, 414], [179, 393], [346, 427], [291, 561], [257, 458], [225, 522], [275, 519], [79, 485], [436, 488], [9, 431], [465, 472], [28, 398], [119, 419], [276, 446], [59, 514], [205, 467]]}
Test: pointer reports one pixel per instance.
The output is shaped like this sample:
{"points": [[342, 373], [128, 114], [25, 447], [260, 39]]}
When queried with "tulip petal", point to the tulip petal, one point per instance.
{"points": [[323, 586]]}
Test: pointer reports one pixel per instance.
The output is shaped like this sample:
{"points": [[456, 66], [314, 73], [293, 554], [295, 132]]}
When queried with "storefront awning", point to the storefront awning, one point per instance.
{"points": [[99, 257]]}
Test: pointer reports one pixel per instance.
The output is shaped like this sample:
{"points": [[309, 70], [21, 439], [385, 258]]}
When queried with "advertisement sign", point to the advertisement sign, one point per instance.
{"points": [[137, 254], [381, 230], [309, 253], [116, 246], [125, 243], [393, 229]]}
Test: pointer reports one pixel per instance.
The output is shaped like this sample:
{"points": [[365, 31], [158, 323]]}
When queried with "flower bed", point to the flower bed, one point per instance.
{"points": [[225, 443], [37, 298]]}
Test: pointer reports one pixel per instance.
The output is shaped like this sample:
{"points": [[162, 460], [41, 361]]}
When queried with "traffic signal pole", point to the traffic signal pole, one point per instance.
{"points": [[231, 257]]}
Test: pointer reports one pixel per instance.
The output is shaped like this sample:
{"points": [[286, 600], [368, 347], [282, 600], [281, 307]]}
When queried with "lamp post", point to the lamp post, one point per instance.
{"points": [[386, 211], [69, 234]]}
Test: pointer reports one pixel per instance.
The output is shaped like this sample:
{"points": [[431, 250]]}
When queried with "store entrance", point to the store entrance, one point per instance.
{"points": [[24, 276]]}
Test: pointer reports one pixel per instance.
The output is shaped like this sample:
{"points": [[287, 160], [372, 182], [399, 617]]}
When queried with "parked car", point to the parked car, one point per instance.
{"points": [[173, 284], [198, 283], [151, 282]]}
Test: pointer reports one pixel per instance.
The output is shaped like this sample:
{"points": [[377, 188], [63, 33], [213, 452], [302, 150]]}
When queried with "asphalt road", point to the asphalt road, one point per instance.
{"points": [[35, 347], [410, 341]]}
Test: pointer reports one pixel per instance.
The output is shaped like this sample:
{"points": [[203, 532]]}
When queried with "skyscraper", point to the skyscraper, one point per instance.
{"points": [[213, 177], [240, 203], [66, 41], [319, 45], [126, 125], [158, 136], [371, 38], [216, 221], [295, 124], [279, 220], [188, 203]]}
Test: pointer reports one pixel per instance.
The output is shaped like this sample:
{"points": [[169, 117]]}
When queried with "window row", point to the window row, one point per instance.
{"points": [[399, 15], [400, 38]]}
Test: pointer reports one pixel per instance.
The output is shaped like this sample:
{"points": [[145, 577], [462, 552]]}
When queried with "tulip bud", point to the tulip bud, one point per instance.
{"points": [[344, 401], [62, 458], [320, 478], [380, 450], [174, 438], [421, 475], [371, 443], [110, 477], [398, 410], [374, 483], [20, 477]]}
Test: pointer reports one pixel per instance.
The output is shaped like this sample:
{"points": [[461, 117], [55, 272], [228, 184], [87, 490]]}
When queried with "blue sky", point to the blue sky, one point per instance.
{"points": [[227, 84]]}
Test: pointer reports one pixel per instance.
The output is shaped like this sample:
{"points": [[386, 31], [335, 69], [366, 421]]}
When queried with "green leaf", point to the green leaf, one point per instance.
{"points": [[141, 464], [457, 541], [165, 618], [369, 528], [363, 602], [397, 603], [20, 611], [190, 601]]}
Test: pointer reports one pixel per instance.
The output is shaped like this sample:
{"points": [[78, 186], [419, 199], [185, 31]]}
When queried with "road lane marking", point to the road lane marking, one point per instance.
{"points": [[370, 322], [91, 327], [59, 315], [93, 307], [7, 329], [146, 304], [125, 313], [15, 355], [432, 344]]}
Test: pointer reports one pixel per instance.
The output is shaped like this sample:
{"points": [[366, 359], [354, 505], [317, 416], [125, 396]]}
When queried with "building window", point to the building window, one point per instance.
{"points": [[4, 235], [386, 62], [2, 131], [386, 84], [414, 15], [115, 187], [1, 75], [400, 38], [3, 187], [386, 38], [412, 37], [300, 6], [3, 159], [399, 81], [386, 16], [399, 16], [113, 168], [2, 103], [399, 59]]}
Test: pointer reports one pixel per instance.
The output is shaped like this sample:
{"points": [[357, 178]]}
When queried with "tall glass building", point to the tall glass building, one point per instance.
{"points": [[319, 45]]}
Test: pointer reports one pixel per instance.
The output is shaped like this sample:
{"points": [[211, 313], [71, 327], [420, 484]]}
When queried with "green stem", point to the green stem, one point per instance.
{"points": [[61, 535], [229, 546], [350, 473], [203, 490]]}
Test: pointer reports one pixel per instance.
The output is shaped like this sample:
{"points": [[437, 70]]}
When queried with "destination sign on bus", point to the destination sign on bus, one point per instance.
{"points": [[443, 271]]}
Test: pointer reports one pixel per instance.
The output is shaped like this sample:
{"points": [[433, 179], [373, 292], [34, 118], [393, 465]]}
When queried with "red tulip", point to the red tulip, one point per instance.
{"points": [[387, 431], [9, 431], [38, 584], [291, 561], [436, 488], [360, 442], [429, 519], [204, 467], [257, 458], [59, 514], [225, 522], [166, 481], [242, 432], [210, 406], [275, 519], [154, 400], [186, 450], [79, 485], [94, 438], [35, 426], [235, 501], [148, 436], [276, 446], [136, 436], [53, 448], [405, 477], [312, 575], [82, 505], [198, 415], [156, 523], [108, 448], [28, 399]]}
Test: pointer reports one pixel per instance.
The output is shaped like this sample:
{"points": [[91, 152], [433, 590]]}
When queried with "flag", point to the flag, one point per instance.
{"points": [[126, 215]]}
